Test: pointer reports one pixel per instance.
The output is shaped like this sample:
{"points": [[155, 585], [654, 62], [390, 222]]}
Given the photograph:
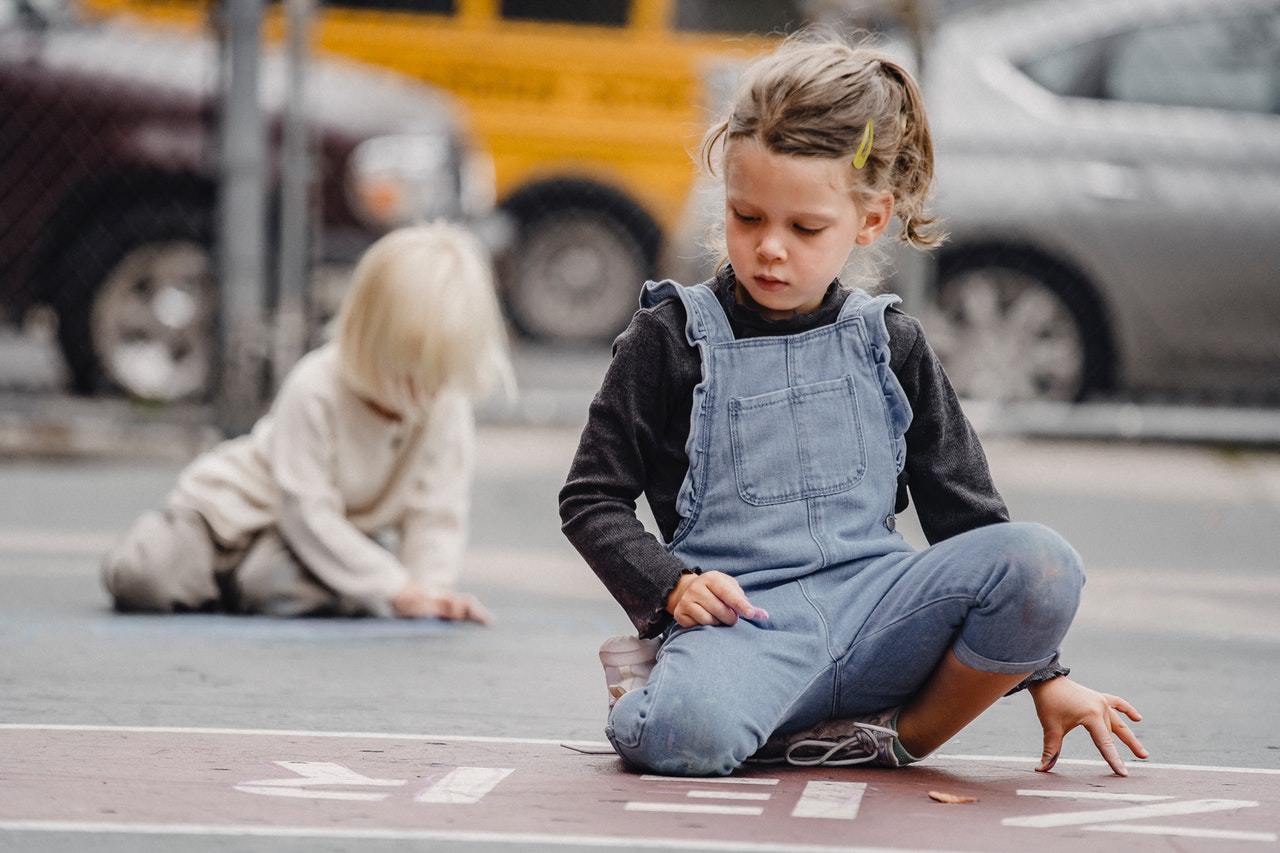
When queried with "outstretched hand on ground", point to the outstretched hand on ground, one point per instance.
{"points": [[413, 602], [1063, 704], [711, 598]]}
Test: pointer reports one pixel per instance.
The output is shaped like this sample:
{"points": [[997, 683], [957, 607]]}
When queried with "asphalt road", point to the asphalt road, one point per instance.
{"points": [[1179, 616]]}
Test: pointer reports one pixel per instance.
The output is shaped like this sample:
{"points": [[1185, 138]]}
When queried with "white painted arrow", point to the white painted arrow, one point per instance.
{"points": [[314, 773], [464, 785], [1179, 807]]}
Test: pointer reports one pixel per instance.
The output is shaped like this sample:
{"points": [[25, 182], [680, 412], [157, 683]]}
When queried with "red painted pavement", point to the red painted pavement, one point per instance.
{"points": [[70, 778]]}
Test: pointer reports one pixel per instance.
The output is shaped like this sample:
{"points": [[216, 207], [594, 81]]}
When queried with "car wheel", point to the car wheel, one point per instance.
{"points": [[573, 276], [1013, 332], [138, 305]]}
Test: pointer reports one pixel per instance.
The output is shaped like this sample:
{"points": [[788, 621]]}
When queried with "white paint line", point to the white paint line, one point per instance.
{"points": [[727, 795], [1021, 759], [693, 808], [198, 730], [1185, 832], [1180, 807], [322, 773], [718, 780], [521, 838], [305, 794], [834, 800], [464, 785], [591, 744], [1093, 795]]}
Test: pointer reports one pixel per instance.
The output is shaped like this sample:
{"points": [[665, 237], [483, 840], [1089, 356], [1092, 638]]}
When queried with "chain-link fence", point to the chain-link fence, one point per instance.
{"points": [[1109, 173]]}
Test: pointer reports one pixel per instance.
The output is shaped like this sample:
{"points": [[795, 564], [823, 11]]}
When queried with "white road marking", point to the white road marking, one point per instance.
{"points": [[204, 730], [1180, 807], [464, 785], [1022, 759], [693, 808], [519, 838], [1093, 795], [323, 773], [1186, 832], [718, 780], [727, 795], [303, 793], [835, 800]]}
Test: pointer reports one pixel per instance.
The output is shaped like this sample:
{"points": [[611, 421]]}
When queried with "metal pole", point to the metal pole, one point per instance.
{"points": [[242, 218], [295, 184]]}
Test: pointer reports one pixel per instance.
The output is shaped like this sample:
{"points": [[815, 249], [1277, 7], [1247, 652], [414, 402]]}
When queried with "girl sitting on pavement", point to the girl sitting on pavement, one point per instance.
{"points": [[777, 421], [368, 434]]}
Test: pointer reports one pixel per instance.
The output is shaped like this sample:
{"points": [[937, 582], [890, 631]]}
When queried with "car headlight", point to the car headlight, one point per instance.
{"points": [[405, 178]]}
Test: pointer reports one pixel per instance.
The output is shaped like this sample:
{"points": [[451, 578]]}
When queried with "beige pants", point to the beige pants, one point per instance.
{"points": [[169, 561]]}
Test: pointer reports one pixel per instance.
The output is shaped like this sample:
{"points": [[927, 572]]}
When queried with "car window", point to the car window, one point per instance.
{"points": [[1227, 63], [612, 13], [1230, 63], [743, 16]]}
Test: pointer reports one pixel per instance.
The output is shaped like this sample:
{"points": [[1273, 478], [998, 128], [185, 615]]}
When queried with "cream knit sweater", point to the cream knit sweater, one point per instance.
{"points": [[329, 473]]}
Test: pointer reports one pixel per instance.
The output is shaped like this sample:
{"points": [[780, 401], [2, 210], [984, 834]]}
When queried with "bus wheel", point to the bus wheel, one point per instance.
{"points": [[574, 276]]}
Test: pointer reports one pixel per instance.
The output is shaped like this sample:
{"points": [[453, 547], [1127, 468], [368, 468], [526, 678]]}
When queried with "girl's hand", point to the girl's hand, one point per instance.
{"points": [[1062, 704], [413, 602], [711, 598]]}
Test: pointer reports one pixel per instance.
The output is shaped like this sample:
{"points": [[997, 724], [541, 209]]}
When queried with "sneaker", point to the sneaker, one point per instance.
{"points": [[627, 664], [836, 743]]}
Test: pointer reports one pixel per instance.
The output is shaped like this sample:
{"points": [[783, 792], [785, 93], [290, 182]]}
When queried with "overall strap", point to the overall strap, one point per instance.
{"points": [[705, 320], [898, 412]]}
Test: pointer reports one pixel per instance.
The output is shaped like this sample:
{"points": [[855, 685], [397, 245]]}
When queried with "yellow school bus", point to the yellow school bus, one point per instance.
{"points": [[590, 108]]}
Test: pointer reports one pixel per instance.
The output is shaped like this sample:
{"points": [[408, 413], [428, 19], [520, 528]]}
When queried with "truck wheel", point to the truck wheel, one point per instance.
{"points": [[137, 304]]}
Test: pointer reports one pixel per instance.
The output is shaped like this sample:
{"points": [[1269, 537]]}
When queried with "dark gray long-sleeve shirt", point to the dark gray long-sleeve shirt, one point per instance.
{"points": [[638, 426]]}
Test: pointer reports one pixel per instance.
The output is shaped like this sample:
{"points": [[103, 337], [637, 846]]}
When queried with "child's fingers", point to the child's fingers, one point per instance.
{"points": [[708, 600], [477, 612], [698, 614], [1052, 749], [730, 592], [1106, 745], [1122, 704], [1127, 736]]}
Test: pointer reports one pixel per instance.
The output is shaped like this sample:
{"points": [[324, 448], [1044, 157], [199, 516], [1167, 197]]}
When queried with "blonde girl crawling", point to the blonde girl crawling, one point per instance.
{"points": [[777, 422], [370, 434]]}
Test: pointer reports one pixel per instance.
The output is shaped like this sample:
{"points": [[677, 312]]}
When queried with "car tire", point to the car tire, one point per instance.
{"points": [[1010, 328], [573, 276], [137, 303]]}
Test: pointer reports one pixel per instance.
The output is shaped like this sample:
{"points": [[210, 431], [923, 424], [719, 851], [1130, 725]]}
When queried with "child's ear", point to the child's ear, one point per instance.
{"points": [[874, 219]]}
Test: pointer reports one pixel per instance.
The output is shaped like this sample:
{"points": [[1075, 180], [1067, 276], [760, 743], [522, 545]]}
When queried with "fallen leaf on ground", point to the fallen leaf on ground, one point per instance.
{"points": [[941, 797]]}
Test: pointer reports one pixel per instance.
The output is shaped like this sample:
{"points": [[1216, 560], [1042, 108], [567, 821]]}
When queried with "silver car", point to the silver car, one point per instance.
{"points": [[1110, 174], [1109, 171]]}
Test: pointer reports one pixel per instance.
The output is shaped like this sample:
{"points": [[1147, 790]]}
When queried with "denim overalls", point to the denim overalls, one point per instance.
{"points": [[795, 444]]}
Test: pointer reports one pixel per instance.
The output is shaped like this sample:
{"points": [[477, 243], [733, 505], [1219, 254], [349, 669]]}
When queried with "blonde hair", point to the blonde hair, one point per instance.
{"points": [[421, 316], [813, 97]]}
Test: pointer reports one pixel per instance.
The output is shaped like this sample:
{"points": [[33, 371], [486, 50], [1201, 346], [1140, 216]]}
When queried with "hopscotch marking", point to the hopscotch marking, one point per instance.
{"points": [[464, 785], [832, 800], [312, 773]]}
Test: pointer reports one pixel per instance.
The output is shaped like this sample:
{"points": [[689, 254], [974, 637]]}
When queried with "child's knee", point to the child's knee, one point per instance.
{"points": [[1048, 571], [678, 738]]}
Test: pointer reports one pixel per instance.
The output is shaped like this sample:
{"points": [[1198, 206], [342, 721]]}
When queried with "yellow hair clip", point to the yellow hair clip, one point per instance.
{"points": [[864, 149]]}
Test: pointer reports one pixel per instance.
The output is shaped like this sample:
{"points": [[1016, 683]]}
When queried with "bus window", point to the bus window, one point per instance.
{"points": [[608, 13], [430, 7], [743, 16]]}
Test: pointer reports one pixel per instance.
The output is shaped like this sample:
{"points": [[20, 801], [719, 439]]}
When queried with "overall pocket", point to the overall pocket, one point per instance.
{"points": [[797, 443]]}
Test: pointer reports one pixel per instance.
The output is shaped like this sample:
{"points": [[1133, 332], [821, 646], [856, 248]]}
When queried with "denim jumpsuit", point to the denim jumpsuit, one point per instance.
{"points": [[795, 445]]}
